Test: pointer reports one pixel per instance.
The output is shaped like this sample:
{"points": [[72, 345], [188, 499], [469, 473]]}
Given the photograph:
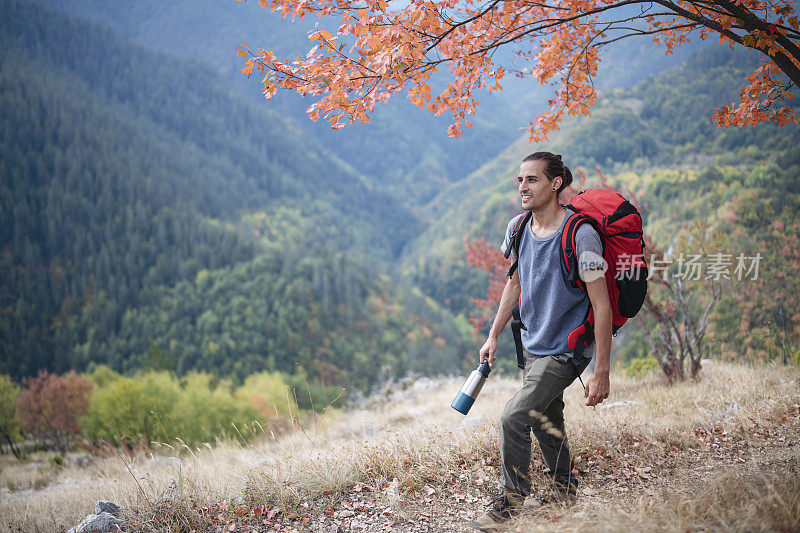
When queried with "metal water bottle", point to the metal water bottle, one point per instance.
{"points": [[471, 388]]}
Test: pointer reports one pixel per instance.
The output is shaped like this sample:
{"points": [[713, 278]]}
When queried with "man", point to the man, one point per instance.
{"points": [[550, 308]]}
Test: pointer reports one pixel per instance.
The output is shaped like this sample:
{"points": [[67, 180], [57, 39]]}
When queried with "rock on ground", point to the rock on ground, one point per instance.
{"points": [[104, 520]]}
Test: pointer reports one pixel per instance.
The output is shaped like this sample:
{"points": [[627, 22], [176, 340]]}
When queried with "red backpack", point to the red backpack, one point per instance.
{"points": [[620, 227]]}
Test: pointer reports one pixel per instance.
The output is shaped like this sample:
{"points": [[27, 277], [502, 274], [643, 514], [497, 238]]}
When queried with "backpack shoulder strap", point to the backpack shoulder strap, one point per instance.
{"points": [[516, 237], [568, 252]]}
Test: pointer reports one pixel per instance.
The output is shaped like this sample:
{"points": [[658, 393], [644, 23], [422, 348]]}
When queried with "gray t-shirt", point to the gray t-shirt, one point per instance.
{"points": [[550, 307]]}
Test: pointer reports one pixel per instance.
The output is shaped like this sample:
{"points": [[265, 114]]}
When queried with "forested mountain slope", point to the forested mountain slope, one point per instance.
{"points": [[124, 173], [405, 151]]}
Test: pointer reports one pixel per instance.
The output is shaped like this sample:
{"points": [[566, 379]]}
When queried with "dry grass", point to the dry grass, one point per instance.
{"points": [[735, 502], [18, 476], [670, 459]]}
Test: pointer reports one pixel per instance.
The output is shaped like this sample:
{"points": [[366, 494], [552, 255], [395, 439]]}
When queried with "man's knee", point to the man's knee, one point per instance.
{"points": [[513, 421], [506, 422], [520, 420]]}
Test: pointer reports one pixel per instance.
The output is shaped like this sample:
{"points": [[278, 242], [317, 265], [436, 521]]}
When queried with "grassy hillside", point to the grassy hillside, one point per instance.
{"points": [[713, 455]]}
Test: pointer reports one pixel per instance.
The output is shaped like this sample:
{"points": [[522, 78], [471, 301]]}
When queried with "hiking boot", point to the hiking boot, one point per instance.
{"points": [[555, 495], [500, 510]]}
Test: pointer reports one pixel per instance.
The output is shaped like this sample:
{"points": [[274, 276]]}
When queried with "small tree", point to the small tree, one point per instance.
{"points": [[9, 424], [680, 298], [50, 405], [488, 258]]}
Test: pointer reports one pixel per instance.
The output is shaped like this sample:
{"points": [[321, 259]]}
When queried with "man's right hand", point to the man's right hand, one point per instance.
{"points": [[488, 350]]}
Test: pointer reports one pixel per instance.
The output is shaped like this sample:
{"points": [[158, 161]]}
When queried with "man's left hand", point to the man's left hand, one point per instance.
{"points": [[597, 388]]}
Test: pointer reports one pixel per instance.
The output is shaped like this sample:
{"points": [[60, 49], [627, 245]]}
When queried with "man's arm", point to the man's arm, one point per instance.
{"points": [[508, 300], [598, 386]]}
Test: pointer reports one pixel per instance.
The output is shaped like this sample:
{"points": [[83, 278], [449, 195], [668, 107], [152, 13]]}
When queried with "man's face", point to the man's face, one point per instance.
{"points": [[535, 190]]}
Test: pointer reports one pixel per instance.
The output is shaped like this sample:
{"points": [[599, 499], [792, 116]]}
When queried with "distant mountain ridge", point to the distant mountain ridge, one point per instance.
{"points": [[405, 151]]}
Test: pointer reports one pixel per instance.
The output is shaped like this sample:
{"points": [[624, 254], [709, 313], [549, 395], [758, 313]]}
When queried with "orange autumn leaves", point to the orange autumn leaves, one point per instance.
{"points": [[759, 101], [381, 49]]}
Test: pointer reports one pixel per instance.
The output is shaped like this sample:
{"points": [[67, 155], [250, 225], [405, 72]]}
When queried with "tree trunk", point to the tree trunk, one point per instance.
{"points": [[673, 369], [696, 367], [11, 446]]}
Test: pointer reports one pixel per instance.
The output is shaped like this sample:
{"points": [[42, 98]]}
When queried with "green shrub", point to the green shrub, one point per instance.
{"points": [[134, 407], [642, 366], [158, 407], [9, 423], [268, 393], [208, 409]]}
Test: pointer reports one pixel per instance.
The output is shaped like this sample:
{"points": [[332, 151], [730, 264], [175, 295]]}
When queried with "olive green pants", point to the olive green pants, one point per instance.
{"points": [[539, 407]]}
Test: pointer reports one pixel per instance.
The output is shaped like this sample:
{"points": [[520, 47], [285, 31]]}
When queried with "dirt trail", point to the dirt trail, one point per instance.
{"points": [[613, 476]]}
